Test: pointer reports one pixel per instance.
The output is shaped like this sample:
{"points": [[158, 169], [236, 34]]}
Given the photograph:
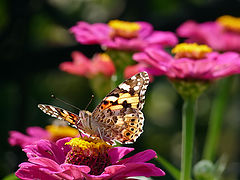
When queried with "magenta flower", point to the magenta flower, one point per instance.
{"points": [[122, 35], [221, 35], [82, 66], [190, 62], [34, 134], [88, 160]]}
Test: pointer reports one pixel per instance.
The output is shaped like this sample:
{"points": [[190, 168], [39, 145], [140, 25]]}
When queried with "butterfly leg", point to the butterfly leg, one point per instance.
{"points": [[100, 134], [80, 133]]}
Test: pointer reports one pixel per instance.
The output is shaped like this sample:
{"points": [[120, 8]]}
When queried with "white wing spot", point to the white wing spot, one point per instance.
{"points": [[133, 78], [111, 98], [136, 88], [124, 87]]}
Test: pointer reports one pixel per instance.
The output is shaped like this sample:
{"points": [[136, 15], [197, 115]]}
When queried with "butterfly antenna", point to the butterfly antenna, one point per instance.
{"points": [[89, 102], [53, 96]]}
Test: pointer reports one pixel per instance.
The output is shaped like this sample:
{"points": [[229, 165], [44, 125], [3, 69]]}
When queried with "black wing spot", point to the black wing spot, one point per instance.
{"points": [[116, 95], [105, 102], [131, 92], [126, 105], [114, 103], [127, 134]]}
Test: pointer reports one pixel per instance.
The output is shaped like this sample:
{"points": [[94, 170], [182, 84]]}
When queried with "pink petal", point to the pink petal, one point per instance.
{"points": [[117, 153], [133, 169], [61, 144], [17, 138], [45, 162], [29, 171], [37, 132], [140, 157], [74, 171], [45, 148], [165, 38], [146, 29]]}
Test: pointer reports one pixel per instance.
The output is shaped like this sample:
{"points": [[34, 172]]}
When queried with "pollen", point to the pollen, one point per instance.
{"points": [[191, 50], [90, 152], [124, 28], [230, 23], [58, 132], [88, 143]]}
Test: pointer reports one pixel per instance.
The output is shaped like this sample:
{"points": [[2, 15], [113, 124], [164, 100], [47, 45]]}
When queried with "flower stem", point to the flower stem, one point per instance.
{"points": [[216, 118], [188, 123]]}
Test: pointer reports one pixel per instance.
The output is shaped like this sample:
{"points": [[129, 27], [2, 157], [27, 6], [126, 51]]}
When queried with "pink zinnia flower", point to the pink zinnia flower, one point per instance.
{"points": [[135, 69], [222, 34], [34, 134], [82, 66], [122, 35], [84, 158], [191, 62]]}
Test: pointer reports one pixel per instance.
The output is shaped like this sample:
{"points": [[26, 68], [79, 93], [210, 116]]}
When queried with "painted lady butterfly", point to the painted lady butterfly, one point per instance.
{"points": [[117, 118]]}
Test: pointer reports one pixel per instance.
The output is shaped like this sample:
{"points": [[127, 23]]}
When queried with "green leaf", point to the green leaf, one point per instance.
{"points": [[10, 177]]}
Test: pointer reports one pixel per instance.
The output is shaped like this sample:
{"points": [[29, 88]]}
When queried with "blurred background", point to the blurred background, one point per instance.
{"points": [[34, 40]]}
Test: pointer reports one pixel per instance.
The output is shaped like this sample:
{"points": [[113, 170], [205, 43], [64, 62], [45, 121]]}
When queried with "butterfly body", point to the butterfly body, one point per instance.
{"points": [[117, 118]]}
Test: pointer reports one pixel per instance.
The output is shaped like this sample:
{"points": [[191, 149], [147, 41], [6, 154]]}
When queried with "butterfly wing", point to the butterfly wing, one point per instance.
{"points": [[119, 117], [60, 114]]}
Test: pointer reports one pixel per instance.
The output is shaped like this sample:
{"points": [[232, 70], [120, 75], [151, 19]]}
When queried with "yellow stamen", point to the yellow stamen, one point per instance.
{"points": [[230, 23], [58, 132], [191, 50], [88, 143], [124, 28]]}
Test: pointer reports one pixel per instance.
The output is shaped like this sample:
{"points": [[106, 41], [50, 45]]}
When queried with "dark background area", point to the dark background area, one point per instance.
{"points": [[34, 40]]}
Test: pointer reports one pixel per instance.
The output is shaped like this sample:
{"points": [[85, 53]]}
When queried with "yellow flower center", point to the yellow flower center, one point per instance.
{"points": [[124, 28], [88, 143], [191, 50], [230, 23], [90, 152], [58, 132], [105, 57]]}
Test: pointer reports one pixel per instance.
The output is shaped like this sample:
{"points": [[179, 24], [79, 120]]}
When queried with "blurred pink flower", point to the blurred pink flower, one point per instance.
{"points": [[122, 35], [81, 65], [48, 160], [34, 134], [131, 70], [221, 35], [209, 65]]}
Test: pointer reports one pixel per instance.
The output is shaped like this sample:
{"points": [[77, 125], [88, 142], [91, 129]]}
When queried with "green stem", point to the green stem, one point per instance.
{"points": [[121, 60], [216, 118], [169, 167], [188, 123]]}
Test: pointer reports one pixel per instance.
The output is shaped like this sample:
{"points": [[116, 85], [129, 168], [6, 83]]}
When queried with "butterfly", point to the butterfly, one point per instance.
{"points": [[118, 117]]}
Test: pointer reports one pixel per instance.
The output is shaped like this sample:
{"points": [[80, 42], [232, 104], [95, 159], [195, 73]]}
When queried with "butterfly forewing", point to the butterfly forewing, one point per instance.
{"points": [[60, 114], [118, 116]]}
